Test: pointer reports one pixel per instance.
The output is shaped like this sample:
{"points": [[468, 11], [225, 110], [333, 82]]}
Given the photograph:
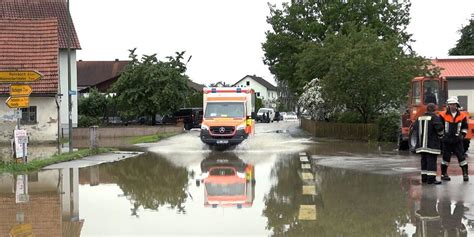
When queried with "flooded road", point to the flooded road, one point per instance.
{"points": [[278, 183]]}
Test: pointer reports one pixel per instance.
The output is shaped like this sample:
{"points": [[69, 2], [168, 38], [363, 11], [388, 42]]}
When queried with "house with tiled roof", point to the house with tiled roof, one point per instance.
{"points": [[26, 43], [263, 89], [31, 44], [459, 71], [102, 74], [98, 74]]}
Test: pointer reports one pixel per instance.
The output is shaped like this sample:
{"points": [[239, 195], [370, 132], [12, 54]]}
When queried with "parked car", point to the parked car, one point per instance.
{"points": [[290, 116], [269, 111], [191, 117]]}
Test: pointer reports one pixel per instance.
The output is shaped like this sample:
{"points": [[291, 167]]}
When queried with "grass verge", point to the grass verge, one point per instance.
{"points": [[151, 138], [37, 164]]}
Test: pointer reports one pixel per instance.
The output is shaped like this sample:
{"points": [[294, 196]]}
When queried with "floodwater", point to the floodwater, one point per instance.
{"points": [[180, 187]]}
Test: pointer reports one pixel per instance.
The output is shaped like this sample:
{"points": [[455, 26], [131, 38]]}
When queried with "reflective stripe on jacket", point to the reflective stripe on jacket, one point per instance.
{"points": [[428, 129], [453, 126]]}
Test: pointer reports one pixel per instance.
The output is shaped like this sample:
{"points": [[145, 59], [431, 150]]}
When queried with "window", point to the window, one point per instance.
{"points": [[28, 115], [248, 83], [463, 101], [415, 93], [257, 93]]}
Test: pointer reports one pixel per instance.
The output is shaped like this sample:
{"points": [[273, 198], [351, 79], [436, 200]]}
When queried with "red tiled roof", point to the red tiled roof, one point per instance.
{"points": [[30, 44], [90, 73], [29, 9], [456, 67]]}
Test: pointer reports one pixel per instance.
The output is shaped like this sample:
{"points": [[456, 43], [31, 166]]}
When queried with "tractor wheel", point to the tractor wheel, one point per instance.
{"points": [[402, 145]]}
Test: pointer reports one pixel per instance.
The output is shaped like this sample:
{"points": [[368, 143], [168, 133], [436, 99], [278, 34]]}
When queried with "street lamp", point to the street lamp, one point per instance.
{"points": [[68, 38]]}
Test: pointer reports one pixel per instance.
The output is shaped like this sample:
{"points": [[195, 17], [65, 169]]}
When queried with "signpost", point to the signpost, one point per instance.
{"points": [[20, 90], [18, 102], [19, 98], [19, 76]]}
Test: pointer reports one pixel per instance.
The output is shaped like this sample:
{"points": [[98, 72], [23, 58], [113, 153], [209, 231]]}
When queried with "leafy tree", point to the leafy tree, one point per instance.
{"points": [[366, 74], [195, 99], [296, 25], [311, 100], [465, 45], [92, 109], [149, 86]]}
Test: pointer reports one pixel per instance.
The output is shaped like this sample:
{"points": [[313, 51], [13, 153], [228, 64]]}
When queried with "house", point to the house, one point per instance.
{"points": [[40, 52], [49, 9], [102, 74], [98, 74], [459, 71], [263, 89]]}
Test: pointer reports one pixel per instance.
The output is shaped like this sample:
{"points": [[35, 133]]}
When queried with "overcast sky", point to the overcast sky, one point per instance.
{"points": [[224, 37]]}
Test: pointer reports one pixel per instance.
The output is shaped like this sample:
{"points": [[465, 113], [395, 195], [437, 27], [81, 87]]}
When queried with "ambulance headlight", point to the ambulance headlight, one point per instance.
{"points": [[241, 127]]}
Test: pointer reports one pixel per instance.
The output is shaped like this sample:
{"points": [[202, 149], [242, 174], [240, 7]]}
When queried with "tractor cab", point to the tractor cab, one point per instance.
{"points": [[423, 90]]}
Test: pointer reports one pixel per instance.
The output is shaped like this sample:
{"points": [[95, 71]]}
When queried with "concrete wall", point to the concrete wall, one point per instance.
{"points": [[63, 85], [46, 128], [129, 131], [459, 87]]}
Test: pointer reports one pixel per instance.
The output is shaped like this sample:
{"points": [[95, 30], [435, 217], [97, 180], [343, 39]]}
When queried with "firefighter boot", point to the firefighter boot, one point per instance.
{"points": [[465, 175], [432, 180], [424, 178], [444, 173]]}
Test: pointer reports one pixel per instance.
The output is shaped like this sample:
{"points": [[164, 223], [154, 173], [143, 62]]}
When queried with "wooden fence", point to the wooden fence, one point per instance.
{"points": [[350, 131]]}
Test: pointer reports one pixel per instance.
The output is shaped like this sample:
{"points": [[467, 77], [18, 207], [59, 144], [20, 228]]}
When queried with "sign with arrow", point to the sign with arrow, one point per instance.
{"points": [[19, 76], [20, 90], [18, 102]]}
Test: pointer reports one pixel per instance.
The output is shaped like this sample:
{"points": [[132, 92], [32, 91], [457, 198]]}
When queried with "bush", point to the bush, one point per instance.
{"points": [[349, 117], [388, 124], [87, 121]]}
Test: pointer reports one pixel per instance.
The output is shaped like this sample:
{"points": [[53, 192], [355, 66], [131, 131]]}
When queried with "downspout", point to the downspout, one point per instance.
{"points": [[58, 102]]}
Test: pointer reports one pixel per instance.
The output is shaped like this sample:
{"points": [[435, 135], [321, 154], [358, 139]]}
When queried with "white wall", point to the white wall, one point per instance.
{"points": [[46, 128], [463, 88], [268, 96], [63, 84]]}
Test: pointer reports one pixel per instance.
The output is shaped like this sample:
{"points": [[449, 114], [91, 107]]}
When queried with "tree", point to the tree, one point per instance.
{"points": [[148, 86], [367, 74], [465, 45], [92, 109], [298, 26], [311, 100]]}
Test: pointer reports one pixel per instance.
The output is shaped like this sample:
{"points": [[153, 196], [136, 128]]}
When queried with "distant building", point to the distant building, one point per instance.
{"points": [[102, 74], [263, 89], [459, 71], [98, 74]]}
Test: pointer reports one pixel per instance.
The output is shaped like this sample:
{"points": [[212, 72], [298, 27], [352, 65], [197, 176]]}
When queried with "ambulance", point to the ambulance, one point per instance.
{"points": [[229, 114]]}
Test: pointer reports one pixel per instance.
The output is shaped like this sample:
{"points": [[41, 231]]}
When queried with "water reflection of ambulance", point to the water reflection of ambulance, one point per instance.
{"points": [[229, 114], [227, 181]]}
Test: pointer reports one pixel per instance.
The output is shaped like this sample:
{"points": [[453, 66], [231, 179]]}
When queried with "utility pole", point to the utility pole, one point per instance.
{"points": [[69, 92]]}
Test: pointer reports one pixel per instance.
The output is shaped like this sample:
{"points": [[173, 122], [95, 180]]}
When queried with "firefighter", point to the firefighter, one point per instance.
{"points": [[429, 130], [455, 129]]}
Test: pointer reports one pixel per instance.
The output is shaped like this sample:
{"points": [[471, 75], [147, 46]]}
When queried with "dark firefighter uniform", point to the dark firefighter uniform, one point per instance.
{"points": [[455, 129], [429, 129]]}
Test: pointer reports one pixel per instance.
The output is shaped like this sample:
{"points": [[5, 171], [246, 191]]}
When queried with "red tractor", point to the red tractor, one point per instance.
{"points": [[426, 90]]}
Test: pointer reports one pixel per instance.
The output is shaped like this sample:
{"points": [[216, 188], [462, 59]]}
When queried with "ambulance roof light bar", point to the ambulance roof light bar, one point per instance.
{"points": [[227, 89]]}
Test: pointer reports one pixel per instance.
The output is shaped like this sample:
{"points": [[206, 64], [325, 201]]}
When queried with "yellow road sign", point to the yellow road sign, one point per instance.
{"points": [[19, 76], [18, 102], [20, 90]]}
